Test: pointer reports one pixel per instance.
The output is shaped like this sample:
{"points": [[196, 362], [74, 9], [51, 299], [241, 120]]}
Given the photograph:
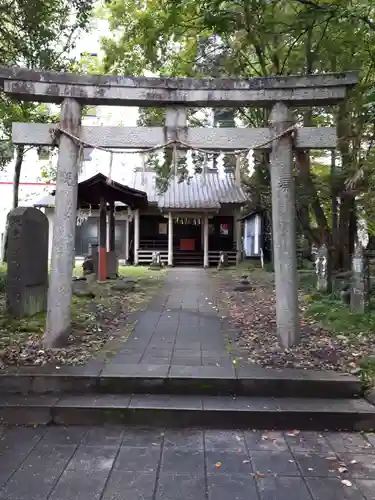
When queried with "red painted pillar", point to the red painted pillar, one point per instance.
{"points": [[102, 254]]}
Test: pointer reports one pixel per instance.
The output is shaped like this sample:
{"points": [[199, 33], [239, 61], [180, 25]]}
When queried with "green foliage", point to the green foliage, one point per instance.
{"points": [[37, 34], [211, 38]]}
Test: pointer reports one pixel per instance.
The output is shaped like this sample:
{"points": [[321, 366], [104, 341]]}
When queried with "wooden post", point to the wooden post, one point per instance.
{"points": [[170, 239], [136, 236], [62, 259], [107, 231], [112, 227], [102, 268], [238, 238], [127, 239], [206, 262], [283, 225]]}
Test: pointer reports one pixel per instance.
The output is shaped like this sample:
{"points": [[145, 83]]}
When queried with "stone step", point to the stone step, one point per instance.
{"points": [[201, 380], [190, 411]]}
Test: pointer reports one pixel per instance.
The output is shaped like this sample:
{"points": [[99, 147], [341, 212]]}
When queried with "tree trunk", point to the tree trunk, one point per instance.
{"points": [[16, 184], [17, 175], [347, 217], [335, 217], [311, 195], [346, 227]]}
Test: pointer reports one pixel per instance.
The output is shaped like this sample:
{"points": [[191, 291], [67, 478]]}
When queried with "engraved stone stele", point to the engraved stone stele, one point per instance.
{"points": [[27, 274]]}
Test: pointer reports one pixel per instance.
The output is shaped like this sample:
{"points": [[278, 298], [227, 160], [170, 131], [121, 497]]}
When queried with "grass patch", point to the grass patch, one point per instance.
{"points": [[367, 373], [337, 317], [329, 310], [357, 329]]}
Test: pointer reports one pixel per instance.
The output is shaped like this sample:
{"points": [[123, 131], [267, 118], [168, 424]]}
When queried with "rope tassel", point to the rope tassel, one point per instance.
{"points": [[174, 159], [109, 181], [237, 174], [143, 159], [204, 168]]}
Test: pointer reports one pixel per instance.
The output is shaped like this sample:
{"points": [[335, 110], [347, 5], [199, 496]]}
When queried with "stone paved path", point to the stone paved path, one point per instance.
{"points": [[181, 326], [113, 463]]}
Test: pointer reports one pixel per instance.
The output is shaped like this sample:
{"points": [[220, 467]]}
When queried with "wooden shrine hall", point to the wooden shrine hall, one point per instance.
{"points": [[99, 193], [189, 224]]}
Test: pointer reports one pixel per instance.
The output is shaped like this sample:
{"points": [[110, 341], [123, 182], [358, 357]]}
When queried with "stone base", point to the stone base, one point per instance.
{"points": [[32, 301], [112, 265]]}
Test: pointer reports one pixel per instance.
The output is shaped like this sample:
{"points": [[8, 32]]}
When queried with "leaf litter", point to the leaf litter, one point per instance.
{"points": [[99, 325], [252, 313]]}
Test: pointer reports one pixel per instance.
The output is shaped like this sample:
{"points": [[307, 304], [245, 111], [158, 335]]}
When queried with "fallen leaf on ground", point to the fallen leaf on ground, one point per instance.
{"points": [[346, 482], [293, 433], [342, 470]]}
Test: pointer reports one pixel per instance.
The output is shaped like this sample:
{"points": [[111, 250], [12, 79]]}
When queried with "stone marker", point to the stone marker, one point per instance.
{"points": [[88, 265], [156, 262], [27, 252], [243, 288], [112, 265], [359, 298], [223, 260], [123, 285], [321, 266], [261, 258], [82, 288]]}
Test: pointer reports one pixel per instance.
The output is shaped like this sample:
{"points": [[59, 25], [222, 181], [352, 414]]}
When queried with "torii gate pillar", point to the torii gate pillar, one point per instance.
{"points": [[283, 227], [64, 228]]}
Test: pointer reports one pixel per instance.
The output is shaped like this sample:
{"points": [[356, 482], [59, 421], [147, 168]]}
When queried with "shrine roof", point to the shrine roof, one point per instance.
{"points": [[202, 191], [91, 190]]}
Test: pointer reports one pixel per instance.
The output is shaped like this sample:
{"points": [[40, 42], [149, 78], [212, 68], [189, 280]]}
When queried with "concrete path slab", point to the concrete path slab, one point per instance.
{"points": [[106, 463], [181, 326]]}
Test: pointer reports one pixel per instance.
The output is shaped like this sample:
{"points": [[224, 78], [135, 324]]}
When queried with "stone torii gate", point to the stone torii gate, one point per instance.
{"points": [[176, 94]]}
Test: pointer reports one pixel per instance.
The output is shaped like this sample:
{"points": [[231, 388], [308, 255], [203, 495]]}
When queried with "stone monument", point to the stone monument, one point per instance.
{"points": [[223, 260], [321, 266], [27, 255], [360, 286], [156, 262]]}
